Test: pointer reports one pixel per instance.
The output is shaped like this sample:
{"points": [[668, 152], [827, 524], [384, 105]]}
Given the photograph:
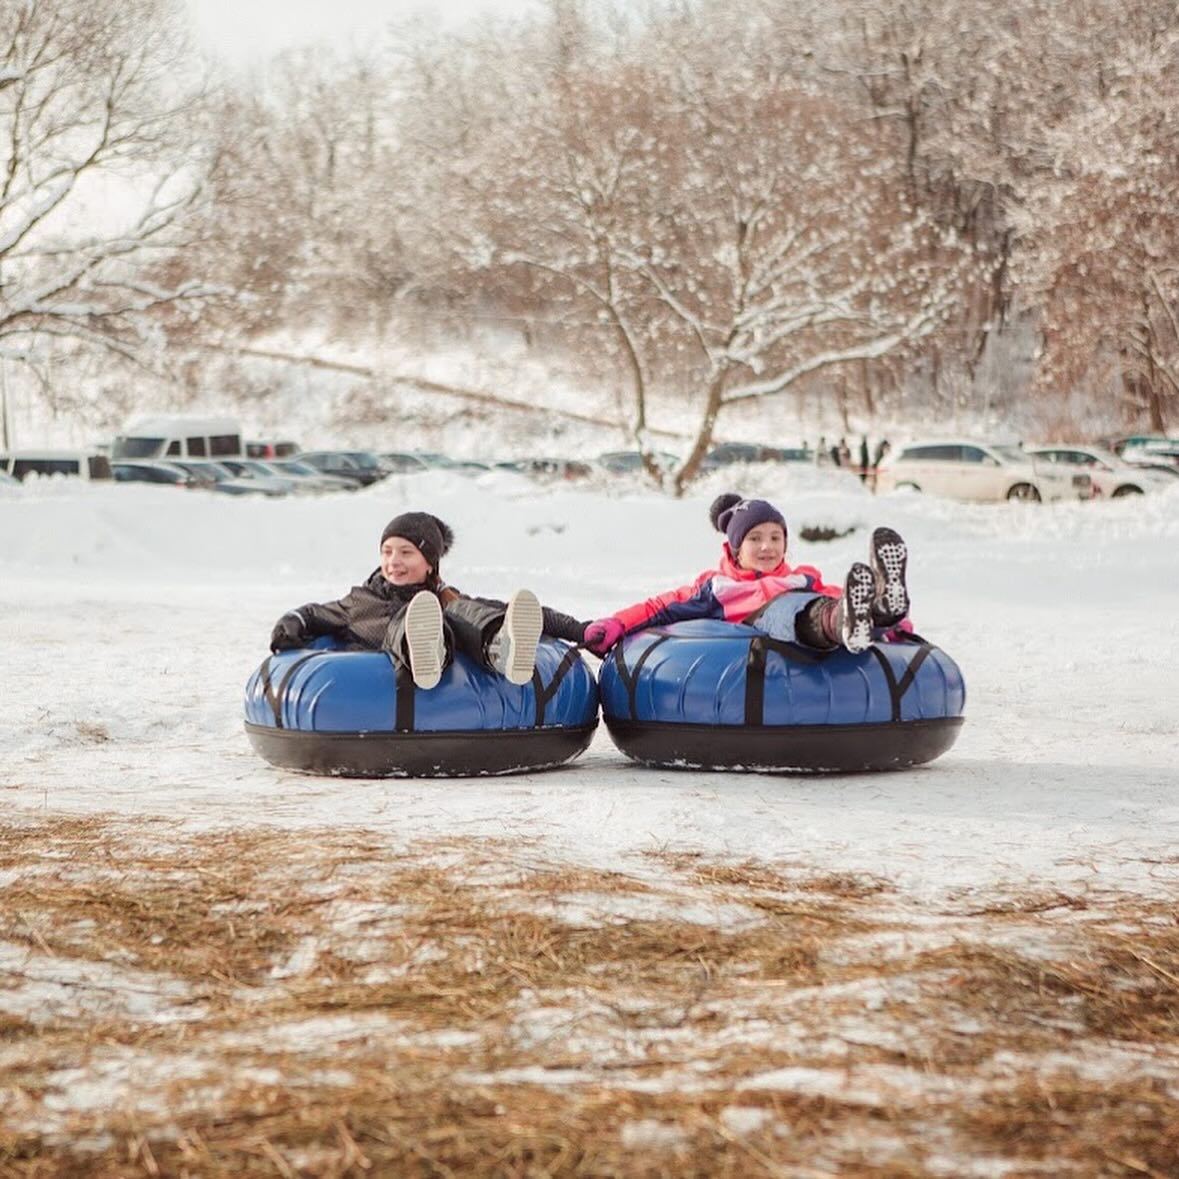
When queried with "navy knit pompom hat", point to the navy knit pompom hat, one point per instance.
{"points": [[735, 516], [429, 535]]}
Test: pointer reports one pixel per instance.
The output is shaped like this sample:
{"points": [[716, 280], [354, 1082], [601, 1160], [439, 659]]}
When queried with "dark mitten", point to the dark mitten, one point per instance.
{"points": [[289, 632]]}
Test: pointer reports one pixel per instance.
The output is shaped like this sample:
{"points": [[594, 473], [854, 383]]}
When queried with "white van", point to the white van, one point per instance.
{"points": [[179, 436], [73, 464]]}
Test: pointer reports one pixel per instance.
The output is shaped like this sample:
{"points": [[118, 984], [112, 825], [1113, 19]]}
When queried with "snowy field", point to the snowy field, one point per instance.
{"points": [[131, 618]]}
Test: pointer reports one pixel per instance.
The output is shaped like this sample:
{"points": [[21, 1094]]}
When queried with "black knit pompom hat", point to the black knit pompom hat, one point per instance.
{"points": [[429, 535], [735, 516]]}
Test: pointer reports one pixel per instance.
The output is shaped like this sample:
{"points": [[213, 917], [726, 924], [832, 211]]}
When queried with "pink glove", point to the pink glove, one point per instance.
{"points": [[600, 636]]}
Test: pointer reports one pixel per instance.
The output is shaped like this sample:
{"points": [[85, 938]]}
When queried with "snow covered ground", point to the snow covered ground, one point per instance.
{"points": [[131, 618], [209, 966]]}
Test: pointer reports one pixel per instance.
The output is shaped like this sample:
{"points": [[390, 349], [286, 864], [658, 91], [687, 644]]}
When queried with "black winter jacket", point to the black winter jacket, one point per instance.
{"points": [[361, 617]]}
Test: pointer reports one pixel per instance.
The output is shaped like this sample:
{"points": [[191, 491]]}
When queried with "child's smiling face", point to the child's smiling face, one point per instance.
{"points": [[764, 548], [402, 562]]}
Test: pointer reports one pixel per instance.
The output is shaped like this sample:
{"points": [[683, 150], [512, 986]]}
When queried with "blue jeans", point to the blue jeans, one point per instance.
{"points": [[778, 619]]}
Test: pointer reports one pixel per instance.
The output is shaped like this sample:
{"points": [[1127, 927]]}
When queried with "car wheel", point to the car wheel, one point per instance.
{"points": [[1128, 489], [1025, 492]]}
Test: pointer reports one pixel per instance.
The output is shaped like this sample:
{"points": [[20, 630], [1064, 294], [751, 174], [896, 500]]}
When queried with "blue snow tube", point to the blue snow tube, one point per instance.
{"points": [[327, 710], [722, 696]]}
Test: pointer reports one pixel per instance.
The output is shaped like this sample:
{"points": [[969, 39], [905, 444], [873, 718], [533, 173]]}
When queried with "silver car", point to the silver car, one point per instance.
{"points": [[1112, 477]]}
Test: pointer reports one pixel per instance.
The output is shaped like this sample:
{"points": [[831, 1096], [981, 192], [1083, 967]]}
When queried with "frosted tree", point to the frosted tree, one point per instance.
{"points": [[1097, 224], [732, 233], [97, 175], [300, 221]]}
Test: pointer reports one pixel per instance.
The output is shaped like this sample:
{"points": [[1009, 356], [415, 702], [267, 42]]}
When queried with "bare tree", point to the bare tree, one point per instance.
{"points": [[97, 176], [1098, 226], [728, 232]]}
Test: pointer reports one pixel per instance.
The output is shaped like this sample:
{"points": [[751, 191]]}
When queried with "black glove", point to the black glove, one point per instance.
{"points": [[289, 632]]}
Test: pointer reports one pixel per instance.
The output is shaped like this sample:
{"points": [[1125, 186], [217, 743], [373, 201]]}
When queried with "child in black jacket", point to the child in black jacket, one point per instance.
{"points": [[407, 611]]}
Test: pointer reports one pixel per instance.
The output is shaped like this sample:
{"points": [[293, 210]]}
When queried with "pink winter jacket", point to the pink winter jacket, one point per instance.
{"points": [[728, 592]]}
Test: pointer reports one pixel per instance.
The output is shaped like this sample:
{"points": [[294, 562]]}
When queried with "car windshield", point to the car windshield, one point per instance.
{"points": [[136, 448]]}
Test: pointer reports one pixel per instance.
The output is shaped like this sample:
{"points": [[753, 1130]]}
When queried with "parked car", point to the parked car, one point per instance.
{"points": [[628, 462], [270, 449], [306, 473], [259, 472], [1168, 471], [546, 469], [178, 436], [980, 471], [164, 473], [1154, 450], [1121, 444], [458, 466], [213, 476], [400, 462], [724, 454], [74, 464], [432, 459], [1112, 478], [360, 465]]}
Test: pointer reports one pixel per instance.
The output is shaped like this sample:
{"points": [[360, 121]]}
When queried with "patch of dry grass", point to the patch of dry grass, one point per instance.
{"points": [[322, 1004]]}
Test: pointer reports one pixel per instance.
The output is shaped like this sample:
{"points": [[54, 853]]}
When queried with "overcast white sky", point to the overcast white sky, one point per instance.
{"points": [[243, 31]]}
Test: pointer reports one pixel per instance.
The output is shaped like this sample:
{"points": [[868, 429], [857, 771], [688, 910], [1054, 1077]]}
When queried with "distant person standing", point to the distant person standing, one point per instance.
{"points": [[882, 448], [843, 459], [822, 454], [864, 464]]}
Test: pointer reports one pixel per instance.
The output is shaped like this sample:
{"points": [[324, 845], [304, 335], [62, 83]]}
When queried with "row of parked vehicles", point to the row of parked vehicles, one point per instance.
{"points": [[211, 453], [980, 471]]}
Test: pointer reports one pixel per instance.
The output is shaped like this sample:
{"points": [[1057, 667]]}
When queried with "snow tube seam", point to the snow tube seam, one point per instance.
{"points": [[630, 679], [276, 695], [755, 684], [403, 704], [545, 694]]}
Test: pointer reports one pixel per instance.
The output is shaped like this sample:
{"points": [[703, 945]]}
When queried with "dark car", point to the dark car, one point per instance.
{"points": [[360, 465]]}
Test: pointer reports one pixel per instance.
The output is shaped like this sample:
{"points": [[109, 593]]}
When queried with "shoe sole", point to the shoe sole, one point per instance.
{"points": [[423, 638], [859, 589], [523, 624], [889, 559]]}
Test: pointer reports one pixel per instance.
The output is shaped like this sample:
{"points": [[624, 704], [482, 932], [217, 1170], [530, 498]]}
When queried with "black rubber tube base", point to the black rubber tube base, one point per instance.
{"points": [[781, 749], [420, 755]]}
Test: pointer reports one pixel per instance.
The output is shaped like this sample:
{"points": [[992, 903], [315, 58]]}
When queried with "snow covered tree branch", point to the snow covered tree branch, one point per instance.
{"points": [[97, 175]]}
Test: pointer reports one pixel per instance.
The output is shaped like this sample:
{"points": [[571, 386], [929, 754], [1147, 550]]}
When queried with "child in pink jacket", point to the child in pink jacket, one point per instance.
{"points": [[753, 584]]}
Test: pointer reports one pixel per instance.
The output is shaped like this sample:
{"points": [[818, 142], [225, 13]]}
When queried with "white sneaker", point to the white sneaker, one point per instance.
{"points": [[423, 639], [513, 649]]}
